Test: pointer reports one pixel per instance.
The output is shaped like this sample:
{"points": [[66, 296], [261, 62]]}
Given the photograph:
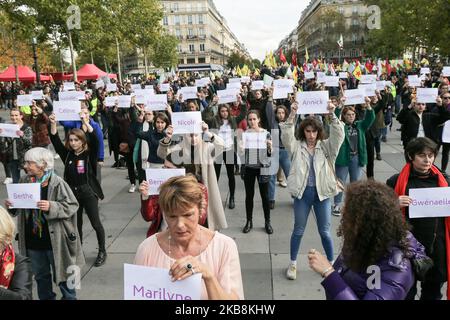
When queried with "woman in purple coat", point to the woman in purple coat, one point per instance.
{"points": [[378, 255]]}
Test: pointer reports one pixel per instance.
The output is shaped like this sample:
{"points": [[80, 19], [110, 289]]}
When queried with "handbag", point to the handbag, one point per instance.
{"points": [[340, 186], [421, 267], [124, 148]]}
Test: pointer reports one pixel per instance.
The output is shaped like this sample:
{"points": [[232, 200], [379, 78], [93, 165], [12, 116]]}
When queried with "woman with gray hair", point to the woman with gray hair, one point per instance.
{"points": [[15, 270], [48, 235]]}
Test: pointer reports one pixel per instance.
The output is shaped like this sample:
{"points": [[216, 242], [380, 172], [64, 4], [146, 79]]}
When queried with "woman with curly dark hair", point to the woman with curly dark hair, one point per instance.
{"points": [[378, 253]]}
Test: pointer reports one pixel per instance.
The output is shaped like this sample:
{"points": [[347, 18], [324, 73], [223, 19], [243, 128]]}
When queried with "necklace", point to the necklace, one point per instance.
{"points": [[170, 248]]}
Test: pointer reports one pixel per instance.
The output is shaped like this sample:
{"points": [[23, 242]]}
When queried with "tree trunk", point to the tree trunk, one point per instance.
{"points": [[106, 66], [74, 67], [92, 58], [118, 61], [145, 62]]}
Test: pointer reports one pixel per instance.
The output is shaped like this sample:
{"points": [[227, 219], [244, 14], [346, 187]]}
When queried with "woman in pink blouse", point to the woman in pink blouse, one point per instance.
{"points": [[186, 248]]}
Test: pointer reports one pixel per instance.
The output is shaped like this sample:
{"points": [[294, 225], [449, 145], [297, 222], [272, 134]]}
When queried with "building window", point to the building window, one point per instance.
{"points": [[190, 32], [180, 49], [177, 20], [177, 32], [191, 48], [191, 60], [341, 10], [181, 61], [355, 9], [201, 31], [175, 7], [200, 19], [202, 47], [189, 19], [201, 60], [166, 20], [354, 38]]}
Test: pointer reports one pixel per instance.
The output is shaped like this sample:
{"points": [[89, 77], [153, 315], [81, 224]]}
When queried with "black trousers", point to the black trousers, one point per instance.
{"points": [[370, 146], [431, 290], [230, 159], [249, 181], [445, 152], [130, 166], [89, 203]]}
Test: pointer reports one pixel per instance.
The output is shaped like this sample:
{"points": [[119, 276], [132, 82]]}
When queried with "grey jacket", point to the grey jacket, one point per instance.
{"points": [[62, 222]]}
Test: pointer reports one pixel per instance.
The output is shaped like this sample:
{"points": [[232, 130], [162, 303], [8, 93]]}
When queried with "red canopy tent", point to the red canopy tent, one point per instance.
{"points": [[24, 72], [59, 76], [92, 72]]}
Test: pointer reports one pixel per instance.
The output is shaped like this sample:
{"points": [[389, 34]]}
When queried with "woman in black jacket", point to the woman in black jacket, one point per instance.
{"points": [[80, 172], [15, 270], [227, 125]]}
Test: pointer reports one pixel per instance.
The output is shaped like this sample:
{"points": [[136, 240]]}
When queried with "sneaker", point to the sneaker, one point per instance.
{"points": [[283, 184], [8, 181], [336, 211], [291, 272], [132, 188], [101, 259]]}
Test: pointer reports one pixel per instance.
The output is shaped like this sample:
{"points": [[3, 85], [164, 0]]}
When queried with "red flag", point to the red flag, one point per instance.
{"points": [[294, 59], [388, 67], [369, 66], [315, 63], [305, 67], [282, 57]]}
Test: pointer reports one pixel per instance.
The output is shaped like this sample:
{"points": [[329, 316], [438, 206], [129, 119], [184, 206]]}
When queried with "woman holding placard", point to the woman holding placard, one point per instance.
{"points": [[48, 234], [352, 156], [80, 171], [311, 180], [15, 148], [432, 232], [227, 125], [256, 164], [186, 248]]}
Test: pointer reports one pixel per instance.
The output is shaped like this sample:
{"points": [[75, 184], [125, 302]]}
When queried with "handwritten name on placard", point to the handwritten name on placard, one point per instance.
{"points": [[124, 101], [156, 102], [145, 283], [343, 75], [257, 85], [71, 95], [24, 100], [369, 89], [164, 87], [227, 96], [234, 85], [368, 78], [187, 122], [24, 195], [356, 96], [282, 88], [332, 81], [414, 81], [111, 87], [111, 101], [37, 95], [69, 86], [429, 203], [9, 130], [67, 110], [313, 102], [189, 93], [427, 95], [156, 177], [309, 75], [268, 80]]}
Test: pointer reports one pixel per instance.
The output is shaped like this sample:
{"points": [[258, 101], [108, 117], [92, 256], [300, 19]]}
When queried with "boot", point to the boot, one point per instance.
{"points": [[248, 226], [272, 204], [268, 227], [231, 204], [101, 258]]}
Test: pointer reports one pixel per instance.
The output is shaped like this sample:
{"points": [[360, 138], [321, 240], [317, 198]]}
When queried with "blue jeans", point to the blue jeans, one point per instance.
{"points": [[322, 210], [342, 173], [285, 164], [41, 262], [14, 168]]}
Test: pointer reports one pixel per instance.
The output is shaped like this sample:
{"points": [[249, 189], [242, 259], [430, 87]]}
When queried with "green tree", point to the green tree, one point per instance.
{"points": [[164, 51]]}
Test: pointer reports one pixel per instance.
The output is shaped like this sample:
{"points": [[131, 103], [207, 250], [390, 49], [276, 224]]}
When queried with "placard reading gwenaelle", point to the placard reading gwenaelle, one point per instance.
{"points": [[429, 203]]}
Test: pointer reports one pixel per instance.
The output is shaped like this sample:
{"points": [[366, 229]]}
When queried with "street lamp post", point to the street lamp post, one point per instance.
{"points": [[36, 66]]}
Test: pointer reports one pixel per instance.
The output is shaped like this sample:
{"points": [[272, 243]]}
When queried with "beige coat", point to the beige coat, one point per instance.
{"points": [[325, 177], [207, 152]]}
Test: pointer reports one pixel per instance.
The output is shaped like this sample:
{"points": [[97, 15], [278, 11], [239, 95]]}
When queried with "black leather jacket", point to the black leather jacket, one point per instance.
{"points": [[21, 284]]}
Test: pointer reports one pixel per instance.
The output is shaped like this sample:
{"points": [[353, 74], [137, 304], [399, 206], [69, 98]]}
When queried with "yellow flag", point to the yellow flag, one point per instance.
{"points": [[257, 72], [306, 55], [238, 71], [357, 72], [245, 70]]}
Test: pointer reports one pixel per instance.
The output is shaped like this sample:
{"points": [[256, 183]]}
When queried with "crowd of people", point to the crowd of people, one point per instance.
{"points": [[311, 155]]}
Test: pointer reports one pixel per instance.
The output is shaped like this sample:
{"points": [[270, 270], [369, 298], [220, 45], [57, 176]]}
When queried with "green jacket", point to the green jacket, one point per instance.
{"points": [[343, 158]]}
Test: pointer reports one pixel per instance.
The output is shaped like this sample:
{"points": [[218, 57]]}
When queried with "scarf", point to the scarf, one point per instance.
{"points": [[7, 264], [37, 215], [400, 190]]}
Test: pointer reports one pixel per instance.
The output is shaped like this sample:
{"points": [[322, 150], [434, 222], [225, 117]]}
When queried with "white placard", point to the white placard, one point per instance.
{"points": [[446, 133], [332, 81], [136, 87], [255, 140], [9, 130], [368, 78], [309, 75], [24, 100], [245, 79], [124, 101], [189, 93], [156, 177], [143, 95], [234, 86], [71, 95], [234, 80], [37, 95], [111, 87], [414, 81], [355, 96], [369, 89], [429, 203], [24, 195], [343, 75], [268, 80], [381, 85], [99, 84], [282, 88], [164, 87], [200, 83], [145, 283], [69, 86], [156, 102], [150, 87], [427, 95], [446, 71], [187, 122], [67, 110], [111, 101], [227, 96], [313, 102], [321, 77], [257, 85], [425, 71]]}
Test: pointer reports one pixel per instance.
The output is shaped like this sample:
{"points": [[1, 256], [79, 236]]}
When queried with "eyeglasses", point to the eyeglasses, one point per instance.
{"points": [[445, 98]]}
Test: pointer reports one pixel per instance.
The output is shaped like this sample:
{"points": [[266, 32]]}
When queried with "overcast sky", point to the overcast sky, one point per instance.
{"points": [[261, 24]]}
